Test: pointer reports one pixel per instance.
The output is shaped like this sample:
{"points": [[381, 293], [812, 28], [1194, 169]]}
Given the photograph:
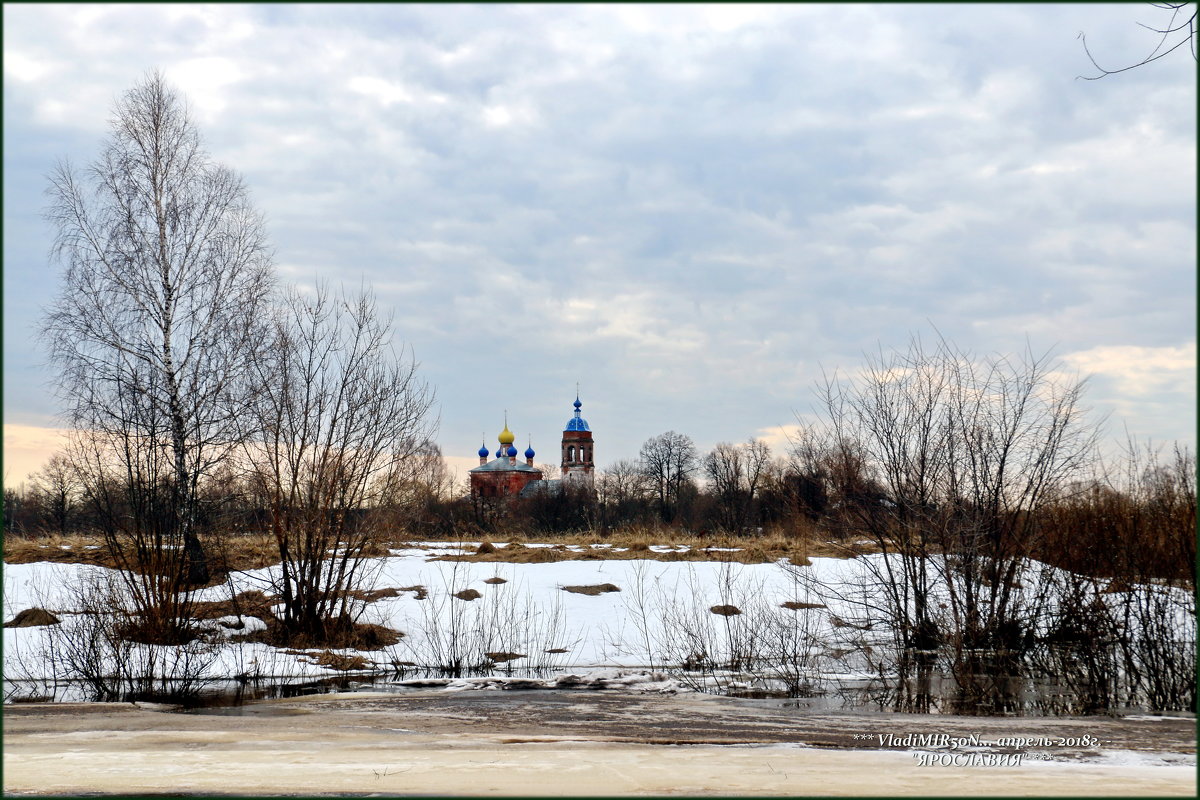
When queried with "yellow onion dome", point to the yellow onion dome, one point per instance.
{"points": [[506, 436]]}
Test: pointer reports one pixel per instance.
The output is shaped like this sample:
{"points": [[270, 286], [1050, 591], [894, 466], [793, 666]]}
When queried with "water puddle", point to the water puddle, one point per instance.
{"points": [[937, 695]]}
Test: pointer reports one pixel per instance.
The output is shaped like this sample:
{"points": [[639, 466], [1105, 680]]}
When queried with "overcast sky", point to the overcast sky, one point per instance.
{"points": [[690, 210]]}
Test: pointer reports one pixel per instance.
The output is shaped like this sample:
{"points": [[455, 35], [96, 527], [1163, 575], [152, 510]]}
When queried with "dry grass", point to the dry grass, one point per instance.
{"points": [[255, 551], [764, 549], [247, 604], [227, 553], [243, 551], [792, 605], [592, 591], [373, 595], [358, 636], [231, 553], [349, 636], [340, 662], [32, 618], [76, 549]]}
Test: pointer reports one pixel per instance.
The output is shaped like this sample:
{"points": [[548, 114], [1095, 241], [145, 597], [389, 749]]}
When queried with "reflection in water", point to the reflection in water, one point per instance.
{"points": [[187, 694], [216, 693], [927, 690]]}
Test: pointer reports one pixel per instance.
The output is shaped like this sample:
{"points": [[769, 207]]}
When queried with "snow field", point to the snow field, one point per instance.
{"points": [[660, 615], [529, 613]]}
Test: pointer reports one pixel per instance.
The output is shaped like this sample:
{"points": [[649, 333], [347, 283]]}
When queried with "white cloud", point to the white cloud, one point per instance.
{"points": [[502, 115], [780, 437], [206, 83], [1140, 371], [725, 17], [385, 92], [24, 68]]}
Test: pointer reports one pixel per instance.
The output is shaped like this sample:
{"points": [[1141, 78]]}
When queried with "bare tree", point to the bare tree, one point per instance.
{"points": [[736, 474], [1123, 629], [16, 511], [338, 415], [621, 493], [960, 454], [621, 482], [1172, 34], [55, 488], [668, 461], [417, 487], [420, 477], [167, 272], [1148, 514]]}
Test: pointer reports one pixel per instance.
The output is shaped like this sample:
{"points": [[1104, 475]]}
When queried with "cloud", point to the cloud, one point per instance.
{"points": [[780, 437], [208, 80], [1139, 372], [688, 208], [23, 68]]}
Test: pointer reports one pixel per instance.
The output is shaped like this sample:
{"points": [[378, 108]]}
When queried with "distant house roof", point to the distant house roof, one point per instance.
{"points": [[504, 465], [550, 487]]}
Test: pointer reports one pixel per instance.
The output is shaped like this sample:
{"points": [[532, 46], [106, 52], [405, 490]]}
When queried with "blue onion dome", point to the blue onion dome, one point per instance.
{"points": [[529, 452], [500, 451], [511, 452], [577, 423], [483, 452]]}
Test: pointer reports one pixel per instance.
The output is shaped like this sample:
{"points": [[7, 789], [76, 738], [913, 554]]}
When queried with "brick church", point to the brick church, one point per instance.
{"points": [[505, 476]]}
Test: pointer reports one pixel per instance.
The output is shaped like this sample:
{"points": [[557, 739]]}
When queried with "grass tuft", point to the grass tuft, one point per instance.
{"points": [[592, 591], [32, 618], [793, 605]]}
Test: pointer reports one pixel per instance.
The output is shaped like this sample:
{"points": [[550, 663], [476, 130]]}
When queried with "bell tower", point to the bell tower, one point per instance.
{"points": [[578, 460]]}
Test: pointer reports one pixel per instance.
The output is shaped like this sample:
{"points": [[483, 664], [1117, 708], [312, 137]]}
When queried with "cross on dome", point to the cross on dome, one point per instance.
{"points": [[506, 436], [577, 423]]}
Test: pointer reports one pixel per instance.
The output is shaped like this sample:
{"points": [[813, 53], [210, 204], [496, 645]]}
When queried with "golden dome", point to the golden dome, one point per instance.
{"points": [[506, 436]]}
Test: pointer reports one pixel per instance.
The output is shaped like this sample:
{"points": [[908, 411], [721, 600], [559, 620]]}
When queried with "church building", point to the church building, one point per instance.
{"points": [[504, 476]]}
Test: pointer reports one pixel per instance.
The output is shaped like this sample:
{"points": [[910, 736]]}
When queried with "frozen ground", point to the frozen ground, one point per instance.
{"points": [[659, 613], [560, 744], [528, 613]]}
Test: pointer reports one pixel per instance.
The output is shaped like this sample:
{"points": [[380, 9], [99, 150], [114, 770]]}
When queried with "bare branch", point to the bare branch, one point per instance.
{"points": [[1188, 29]]}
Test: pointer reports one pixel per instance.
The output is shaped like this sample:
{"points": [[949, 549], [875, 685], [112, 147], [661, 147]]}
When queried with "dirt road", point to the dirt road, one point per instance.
{"points": [[563, 743]]}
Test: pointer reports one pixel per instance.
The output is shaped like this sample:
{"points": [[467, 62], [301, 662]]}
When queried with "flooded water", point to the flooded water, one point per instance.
{"points": [[216, 693], [937, 694]]}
